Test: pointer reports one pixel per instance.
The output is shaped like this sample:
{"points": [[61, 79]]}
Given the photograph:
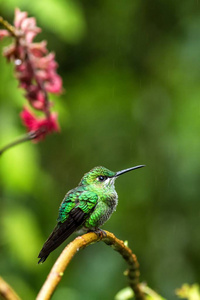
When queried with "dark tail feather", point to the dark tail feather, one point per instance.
{"points": [[60, 233], [42, 259], [57, 237]]}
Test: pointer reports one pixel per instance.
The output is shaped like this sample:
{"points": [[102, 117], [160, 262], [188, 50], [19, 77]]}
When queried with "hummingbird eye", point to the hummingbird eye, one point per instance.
{"points": [[102, 178]]}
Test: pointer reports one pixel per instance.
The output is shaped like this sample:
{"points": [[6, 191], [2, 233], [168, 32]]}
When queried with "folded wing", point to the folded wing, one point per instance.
{"points": [[75, 218]]}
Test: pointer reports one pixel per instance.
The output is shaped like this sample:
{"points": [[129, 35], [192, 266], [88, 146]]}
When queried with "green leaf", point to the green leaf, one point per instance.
{"points": [[190, 292], [124, 294], [127, 293]]}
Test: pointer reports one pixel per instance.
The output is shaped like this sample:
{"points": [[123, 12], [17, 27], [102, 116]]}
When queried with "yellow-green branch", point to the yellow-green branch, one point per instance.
{"points": [[8, 26], [81, 242], [6, 292]]}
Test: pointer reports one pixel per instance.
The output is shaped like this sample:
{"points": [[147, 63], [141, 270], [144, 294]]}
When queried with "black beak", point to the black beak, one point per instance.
{"points": [[127, 170]]}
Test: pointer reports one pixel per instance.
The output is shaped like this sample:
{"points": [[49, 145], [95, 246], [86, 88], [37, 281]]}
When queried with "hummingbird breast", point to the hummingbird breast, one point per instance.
{"points": [[106, 205]]}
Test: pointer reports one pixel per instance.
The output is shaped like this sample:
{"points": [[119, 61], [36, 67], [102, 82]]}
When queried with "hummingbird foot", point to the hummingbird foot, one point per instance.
{"points": [[100, 232]]}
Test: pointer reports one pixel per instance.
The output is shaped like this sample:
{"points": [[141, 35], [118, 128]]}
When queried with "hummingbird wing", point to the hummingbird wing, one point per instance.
{"points": [[74, 209]]}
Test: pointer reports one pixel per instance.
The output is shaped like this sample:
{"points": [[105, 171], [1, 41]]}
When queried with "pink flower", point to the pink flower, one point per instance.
{"points": [[4, 33], [41, 126], [19, 17], [38, 49], [36, 97], [47, 62], [35, 69], [54, 84], [26, 25]]}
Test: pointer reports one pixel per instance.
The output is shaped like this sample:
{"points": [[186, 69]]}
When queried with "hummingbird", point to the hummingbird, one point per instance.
{"points": [[86, 207]]}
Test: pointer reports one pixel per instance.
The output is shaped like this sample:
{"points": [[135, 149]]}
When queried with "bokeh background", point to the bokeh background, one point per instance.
{"points": [[131, 73]]}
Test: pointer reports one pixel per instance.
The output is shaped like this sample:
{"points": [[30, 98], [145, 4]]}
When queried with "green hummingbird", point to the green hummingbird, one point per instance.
{"points": [[85, 207]]}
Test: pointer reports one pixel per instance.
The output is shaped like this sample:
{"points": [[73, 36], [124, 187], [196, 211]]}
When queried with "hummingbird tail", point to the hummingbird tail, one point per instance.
{"points": [[42, 259], [61, 232]]}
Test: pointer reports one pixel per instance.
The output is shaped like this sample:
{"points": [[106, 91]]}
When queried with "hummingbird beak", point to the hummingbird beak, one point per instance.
{"points": [[127, 170]]}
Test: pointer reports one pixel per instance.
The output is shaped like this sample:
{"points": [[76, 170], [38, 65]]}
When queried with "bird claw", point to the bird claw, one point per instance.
{"points": [[100, 232]]}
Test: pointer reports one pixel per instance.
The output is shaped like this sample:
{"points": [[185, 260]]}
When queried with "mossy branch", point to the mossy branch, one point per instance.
{"points": [[6, 292], [81, 242]]}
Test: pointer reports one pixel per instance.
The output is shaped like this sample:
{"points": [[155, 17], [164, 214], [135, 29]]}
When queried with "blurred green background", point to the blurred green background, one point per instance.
{"points": [[131, 73]]}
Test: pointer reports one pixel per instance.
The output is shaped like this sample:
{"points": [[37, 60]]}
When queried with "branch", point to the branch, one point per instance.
{"points": [[8, 26], [27, 137], [81, 242], [6, 292]]}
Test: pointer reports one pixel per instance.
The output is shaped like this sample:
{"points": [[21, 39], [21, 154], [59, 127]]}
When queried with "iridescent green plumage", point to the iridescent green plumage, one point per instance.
{"points": [[86, 207]]}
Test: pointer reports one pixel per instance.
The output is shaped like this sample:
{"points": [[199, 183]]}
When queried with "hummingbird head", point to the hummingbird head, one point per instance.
{"points": [[99, 176], [102, 177]]}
